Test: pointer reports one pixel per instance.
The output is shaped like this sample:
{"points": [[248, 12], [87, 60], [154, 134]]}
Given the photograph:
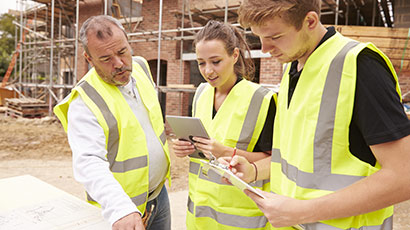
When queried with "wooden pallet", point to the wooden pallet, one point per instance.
{"points": [[15, 113], [22, 103], [26, 107], [3, 109]]}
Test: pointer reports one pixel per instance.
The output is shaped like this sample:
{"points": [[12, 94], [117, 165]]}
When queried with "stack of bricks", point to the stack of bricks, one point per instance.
{"points": [[26, 108]]}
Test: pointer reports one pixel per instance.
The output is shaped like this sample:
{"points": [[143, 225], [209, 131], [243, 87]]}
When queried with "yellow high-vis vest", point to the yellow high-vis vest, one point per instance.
{"points": [[238, 123], [126, 144], [310, 155]]}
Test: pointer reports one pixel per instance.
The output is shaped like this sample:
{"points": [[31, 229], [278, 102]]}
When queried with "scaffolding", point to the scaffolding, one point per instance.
{"points": [[47, 66]]}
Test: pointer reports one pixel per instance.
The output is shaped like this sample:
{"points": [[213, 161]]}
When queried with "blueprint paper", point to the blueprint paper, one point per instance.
{"points": [[29, 203]]}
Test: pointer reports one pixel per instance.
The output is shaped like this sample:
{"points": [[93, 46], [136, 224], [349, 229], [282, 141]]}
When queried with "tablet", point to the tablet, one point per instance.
{"points": [[185, 128]]}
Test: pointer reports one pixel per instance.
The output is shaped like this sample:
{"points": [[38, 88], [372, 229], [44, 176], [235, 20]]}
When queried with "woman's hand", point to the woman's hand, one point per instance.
{"points": [[211, 145], [182, 148]]}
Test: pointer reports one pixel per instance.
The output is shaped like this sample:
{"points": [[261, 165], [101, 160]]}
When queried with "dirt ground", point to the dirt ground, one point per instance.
{"points": [[39, 147], [42, 143]]}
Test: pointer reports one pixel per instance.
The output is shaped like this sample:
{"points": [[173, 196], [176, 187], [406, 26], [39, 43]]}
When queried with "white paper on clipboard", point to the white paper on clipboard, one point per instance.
{"points": [[236, 181]]}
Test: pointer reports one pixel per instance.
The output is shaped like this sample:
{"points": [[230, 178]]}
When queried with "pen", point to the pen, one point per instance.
{"points": [[233, 154]]}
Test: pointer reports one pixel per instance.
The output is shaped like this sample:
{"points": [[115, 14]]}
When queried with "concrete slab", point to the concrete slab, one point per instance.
{"points": [[178, 201]]}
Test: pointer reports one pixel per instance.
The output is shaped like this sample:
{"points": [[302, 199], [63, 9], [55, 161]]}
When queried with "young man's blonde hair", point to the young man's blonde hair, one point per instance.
{"points": [[293, 12]]}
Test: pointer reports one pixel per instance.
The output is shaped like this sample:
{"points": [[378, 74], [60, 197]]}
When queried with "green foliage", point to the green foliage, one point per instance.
{"points": [[7, 34]]}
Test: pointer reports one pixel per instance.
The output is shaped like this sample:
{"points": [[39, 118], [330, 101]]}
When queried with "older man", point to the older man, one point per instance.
{"points": [[115, 129]]}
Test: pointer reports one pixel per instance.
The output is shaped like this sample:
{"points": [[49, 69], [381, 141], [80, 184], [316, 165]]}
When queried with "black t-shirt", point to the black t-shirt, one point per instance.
{"points": [[264, 142], [378, 115]]}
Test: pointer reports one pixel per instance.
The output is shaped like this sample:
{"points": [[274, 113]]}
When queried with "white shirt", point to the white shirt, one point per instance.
{"points": [[90, 165]]}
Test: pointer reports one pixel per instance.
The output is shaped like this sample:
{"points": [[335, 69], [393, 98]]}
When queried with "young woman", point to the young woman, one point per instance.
{"points": [[238, 116]]}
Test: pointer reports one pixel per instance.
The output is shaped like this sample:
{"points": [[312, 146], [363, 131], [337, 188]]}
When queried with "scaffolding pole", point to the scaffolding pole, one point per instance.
{"points": [[21, 46], [226, 11], [105, 7], [50, 98], [159, 46], [59, 75], [181, 51], [77, 14], [337, 13]]}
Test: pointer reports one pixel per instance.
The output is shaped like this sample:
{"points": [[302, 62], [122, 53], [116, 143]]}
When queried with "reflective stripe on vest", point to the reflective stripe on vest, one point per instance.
{"points": [[227, 219], [322, 177], [190, 205], [163, 136], [321, 226], [251, 118], [200, 89], [137, 200], [144, 67]]}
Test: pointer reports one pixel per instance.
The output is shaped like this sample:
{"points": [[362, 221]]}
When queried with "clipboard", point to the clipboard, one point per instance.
{"points": [[224, 171]]}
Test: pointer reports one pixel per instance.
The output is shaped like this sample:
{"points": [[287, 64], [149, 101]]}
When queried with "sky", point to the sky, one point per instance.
{"points": [[5, 5]]}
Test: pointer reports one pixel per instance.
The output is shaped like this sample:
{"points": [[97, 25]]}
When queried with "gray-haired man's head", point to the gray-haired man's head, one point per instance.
{"points": [[101, 25]]}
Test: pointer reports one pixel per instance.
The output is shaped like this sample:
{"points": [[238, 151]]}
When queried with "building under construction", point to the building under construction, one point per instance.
{"points": [[48, 60]]}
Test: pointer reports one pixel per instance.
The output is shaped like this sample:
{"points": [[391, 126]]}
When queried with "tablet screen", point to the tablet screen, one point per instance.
{"points": [[185, 128]]}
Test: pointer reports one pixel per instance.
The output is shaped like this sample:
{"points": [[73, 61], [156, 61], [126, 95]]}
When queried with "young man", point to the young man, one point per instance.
{"points": [[340, 155], [115, 130]]}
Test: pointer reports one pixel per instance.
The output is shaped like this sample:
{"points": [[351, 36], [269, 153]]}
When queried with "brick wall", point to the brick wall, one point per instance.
{"points": [[404, 80], [87, 9], [402, 13], [176, 103], [270, 71]]}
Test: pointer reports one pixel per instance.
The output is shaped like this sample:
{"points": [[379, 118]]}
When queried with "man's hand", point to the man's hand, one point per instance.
{"points": [[130, 222], [182, 148], [281, 211]]}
